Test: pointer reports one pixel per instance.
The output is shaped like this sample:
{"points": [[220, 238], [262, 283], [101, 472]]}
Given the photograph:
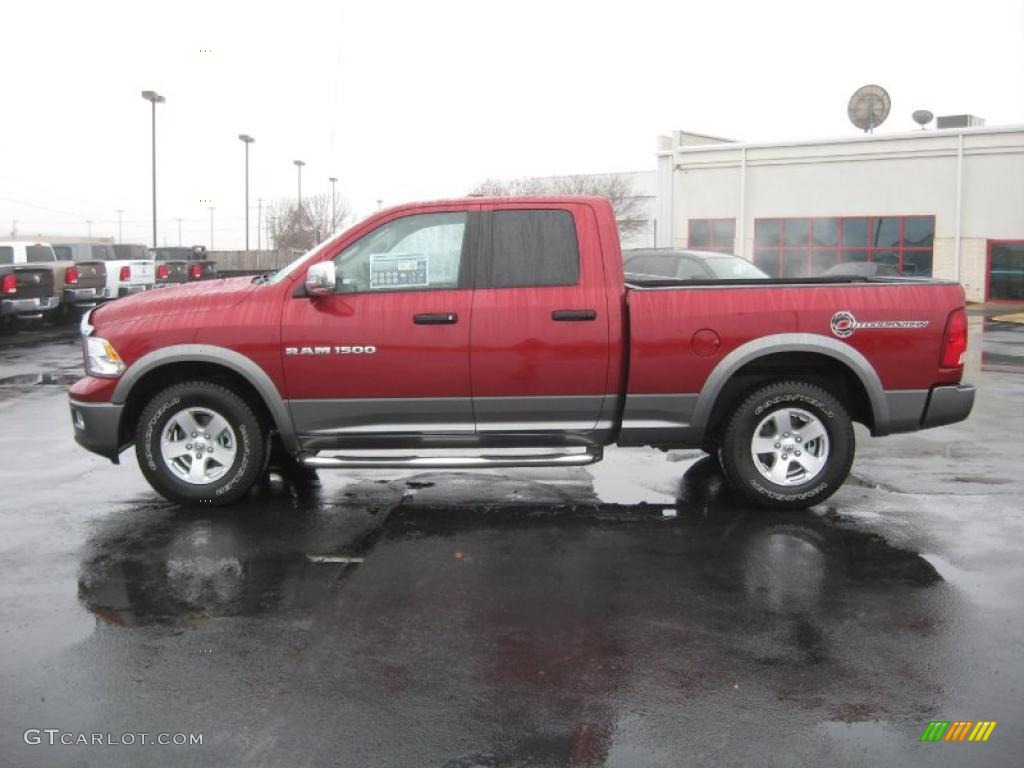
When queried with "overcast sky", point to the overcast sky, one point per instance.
{"points": [[412, 100]]}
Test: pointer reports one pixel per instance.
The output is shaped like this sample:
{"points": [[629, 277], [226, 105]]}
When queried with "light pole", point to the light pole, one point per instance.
{"points": [[211, 227], [248, 140], [179, 233], [120, 237], [333, 180], [89, 225], [299, 164], [154, 98], [259, 224], [380, 204]]}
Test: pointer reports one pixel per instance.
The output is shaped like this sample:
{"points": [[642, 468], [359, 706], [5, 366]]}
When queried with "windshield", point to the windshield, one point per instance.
{"points": [[734, 268]]}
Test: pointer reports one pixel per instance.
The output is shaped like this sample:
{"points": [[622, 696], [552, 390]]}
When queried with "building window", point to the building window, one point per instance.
{"points": [[717, 235], [807, 247]]}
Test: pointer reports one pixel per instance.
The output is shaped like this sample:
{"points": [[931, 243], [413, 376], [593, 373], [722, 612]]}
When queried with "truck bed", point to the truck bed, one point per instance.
{"points": [[685, 336]]}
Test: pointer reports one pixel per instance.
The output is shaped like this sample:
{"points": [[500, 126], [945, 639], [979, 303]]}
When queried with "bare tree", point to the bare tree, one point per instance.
{"points": [[617, 188], [297, 229]]}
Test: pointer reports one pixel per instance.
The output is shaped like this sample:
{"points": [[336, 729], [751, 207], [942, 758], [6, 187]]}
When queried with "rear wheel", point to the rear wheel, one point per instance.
{"points": [[788, 445], [199, 443]]}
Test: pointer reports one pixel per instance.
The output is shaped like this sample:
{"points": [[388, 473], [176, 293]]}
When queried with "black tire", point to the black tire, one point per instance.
{"points": [[248, 441], [787, 400]]}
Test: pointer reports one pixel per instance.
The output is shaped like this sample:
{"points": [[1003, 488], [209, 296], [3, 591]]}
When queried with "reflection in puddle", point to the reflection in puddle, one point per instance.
{"points": [[558, 616]]}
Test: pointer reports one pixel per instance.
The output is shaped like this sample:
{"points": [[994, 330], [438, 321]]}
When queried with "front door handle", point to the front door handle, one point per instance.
{"points": [[438, 318], [573, 315]]}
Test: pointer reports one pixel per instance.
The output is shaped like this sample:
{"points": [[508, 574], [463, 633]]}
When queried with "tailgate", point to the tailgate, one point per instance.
{"points": [[177, 272], [208, 269], [33, 283], [91, 274], [143, 272]]}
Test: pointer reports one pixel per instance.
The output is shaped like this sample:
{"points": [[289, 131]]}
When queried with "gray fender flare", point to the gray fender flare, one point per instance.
{"points": [[228, 358], [792, 342]]}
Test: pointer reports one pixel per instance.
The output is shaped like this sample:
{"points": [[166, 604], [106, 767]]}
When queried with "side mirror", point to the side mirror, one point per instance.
{"points": [[321, 279]]}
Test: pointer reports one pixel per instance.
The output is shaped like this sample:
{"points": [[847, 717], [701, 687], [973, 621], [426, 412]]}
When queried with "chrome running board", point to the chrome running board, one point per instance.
{"points": [[591, 456]]}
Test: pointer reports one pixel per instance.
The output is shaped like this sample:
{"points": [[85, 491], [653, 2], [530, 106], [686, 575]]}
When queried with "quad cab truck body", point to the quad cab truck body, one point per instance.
{"points": [[126, 274], [497, 324]]}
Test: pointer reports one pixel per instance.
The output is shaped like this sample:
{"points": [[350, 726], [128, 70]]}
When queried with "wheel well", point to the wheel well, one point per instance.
{"points": [[825, 371], [170, 374]]}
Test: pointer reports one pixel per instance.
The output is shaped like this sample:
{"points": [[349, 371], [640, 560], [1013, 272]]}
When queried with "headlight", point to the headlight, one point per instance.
{"points": [[101, 359]]}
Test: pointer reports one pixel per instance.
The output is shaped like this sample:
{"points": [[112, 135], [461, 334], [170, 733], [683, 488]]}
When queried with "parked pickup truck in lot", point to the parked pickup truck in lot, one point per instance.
{"points": [[26, 292], [76, 286], [182, 265], [125, 274], [499, 324]]}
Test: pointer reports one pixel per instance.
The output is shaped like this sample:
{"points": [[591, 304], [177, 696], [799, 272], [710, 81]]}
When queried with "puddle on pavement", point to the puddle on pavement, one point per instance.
{"points": [[169, 567], [58, 379], [1002, 347]]}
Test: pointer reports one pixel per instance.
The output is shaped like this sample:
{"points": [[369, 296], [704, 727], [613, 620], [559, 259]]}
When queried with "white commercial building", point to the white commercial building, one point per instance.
{"points": [[947, 203]]}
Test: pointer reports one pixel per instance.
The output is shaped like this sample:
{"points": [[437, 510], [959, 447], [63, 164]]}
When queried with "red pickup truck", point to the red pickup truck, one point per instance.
{"points": [[500, 324]]}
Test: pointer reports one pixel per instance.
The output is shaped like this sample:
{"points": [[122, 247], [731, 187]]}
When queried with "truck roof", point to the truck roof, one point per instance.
{"points": [[492, 200]]}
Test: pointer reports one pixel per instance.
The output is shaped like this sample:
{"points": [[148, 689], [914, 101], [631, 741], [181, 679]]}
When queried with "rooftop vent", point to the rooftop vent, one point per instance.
{"points": [[959, 121]]}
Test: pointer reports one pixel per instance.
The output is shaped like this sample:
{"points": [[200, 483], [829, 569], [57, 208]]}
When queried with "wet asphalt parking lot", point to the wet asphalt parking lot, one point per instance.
{"points": [[626, 614]]}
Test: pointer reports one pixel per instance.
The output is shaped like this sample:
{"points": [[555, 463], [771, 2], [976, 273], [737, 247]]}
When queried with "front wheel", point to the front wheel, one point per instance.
{"points": [[199, 443], [788, 445]]}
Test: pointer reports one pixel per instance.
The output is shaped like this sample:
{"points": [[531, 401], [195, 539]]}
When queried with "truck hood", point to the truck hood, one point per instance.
{"points": [[204, 296]]}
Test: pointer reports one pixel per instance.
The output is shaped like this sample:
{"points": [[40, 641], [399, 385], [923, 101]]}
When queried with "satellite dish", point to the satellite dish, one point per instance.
{"points": [[922, 117], [869, 106]]}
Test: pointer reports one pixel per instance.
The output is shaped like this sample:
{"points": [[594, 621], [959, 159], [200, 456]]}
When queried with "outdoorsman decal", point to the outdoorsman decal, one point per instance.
{"points": [[844, 324]]}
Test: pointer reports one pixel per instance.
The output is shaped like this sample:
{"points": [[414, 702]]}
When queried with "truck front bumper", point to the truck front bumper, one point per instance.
{"points": [[28, 306], [948, 404], [97, 427]]}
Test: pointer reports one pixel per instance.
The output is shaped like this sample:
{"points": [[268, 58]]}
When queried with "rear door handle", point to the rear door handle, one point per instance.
{"points": [[438, 318], [573, 315]]}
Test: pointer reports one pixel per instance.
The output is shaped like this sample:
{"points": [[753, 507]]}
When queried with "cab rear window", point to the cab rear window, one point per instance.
{"points": [[36, 254], [6, 254]]}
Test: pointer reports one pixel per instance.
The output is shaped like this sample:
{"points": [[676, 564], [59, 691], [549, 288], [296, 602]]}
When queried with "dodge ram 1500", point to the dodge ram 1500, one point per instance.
{"points": [[498, 324]]}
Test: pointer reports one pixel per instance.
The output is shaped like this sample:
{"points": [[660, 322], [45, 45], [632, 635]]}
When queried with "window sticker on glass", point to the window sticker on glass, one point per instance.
{"points": [[398, 270]]}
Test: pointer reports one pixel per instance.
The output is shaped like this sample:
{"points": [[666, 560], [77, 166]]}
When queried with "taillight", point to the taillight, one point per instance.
{"points": [[955, 344], [126, 273], [71, 276], [163, 272], [196, 271], [10, 284]]}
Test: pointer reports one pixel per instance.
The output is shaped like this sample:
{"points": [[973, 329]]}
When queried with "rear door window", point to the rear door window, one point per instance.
{"points": [[532, 248]]}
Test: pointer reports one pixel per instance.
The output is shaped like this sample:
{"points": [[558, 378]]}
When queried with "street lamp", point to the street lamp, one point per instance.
{"points": [[333, 180], [120, 237], [211, 227], [248, 140], [179, 232], [154, 98], [299, 164]]}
